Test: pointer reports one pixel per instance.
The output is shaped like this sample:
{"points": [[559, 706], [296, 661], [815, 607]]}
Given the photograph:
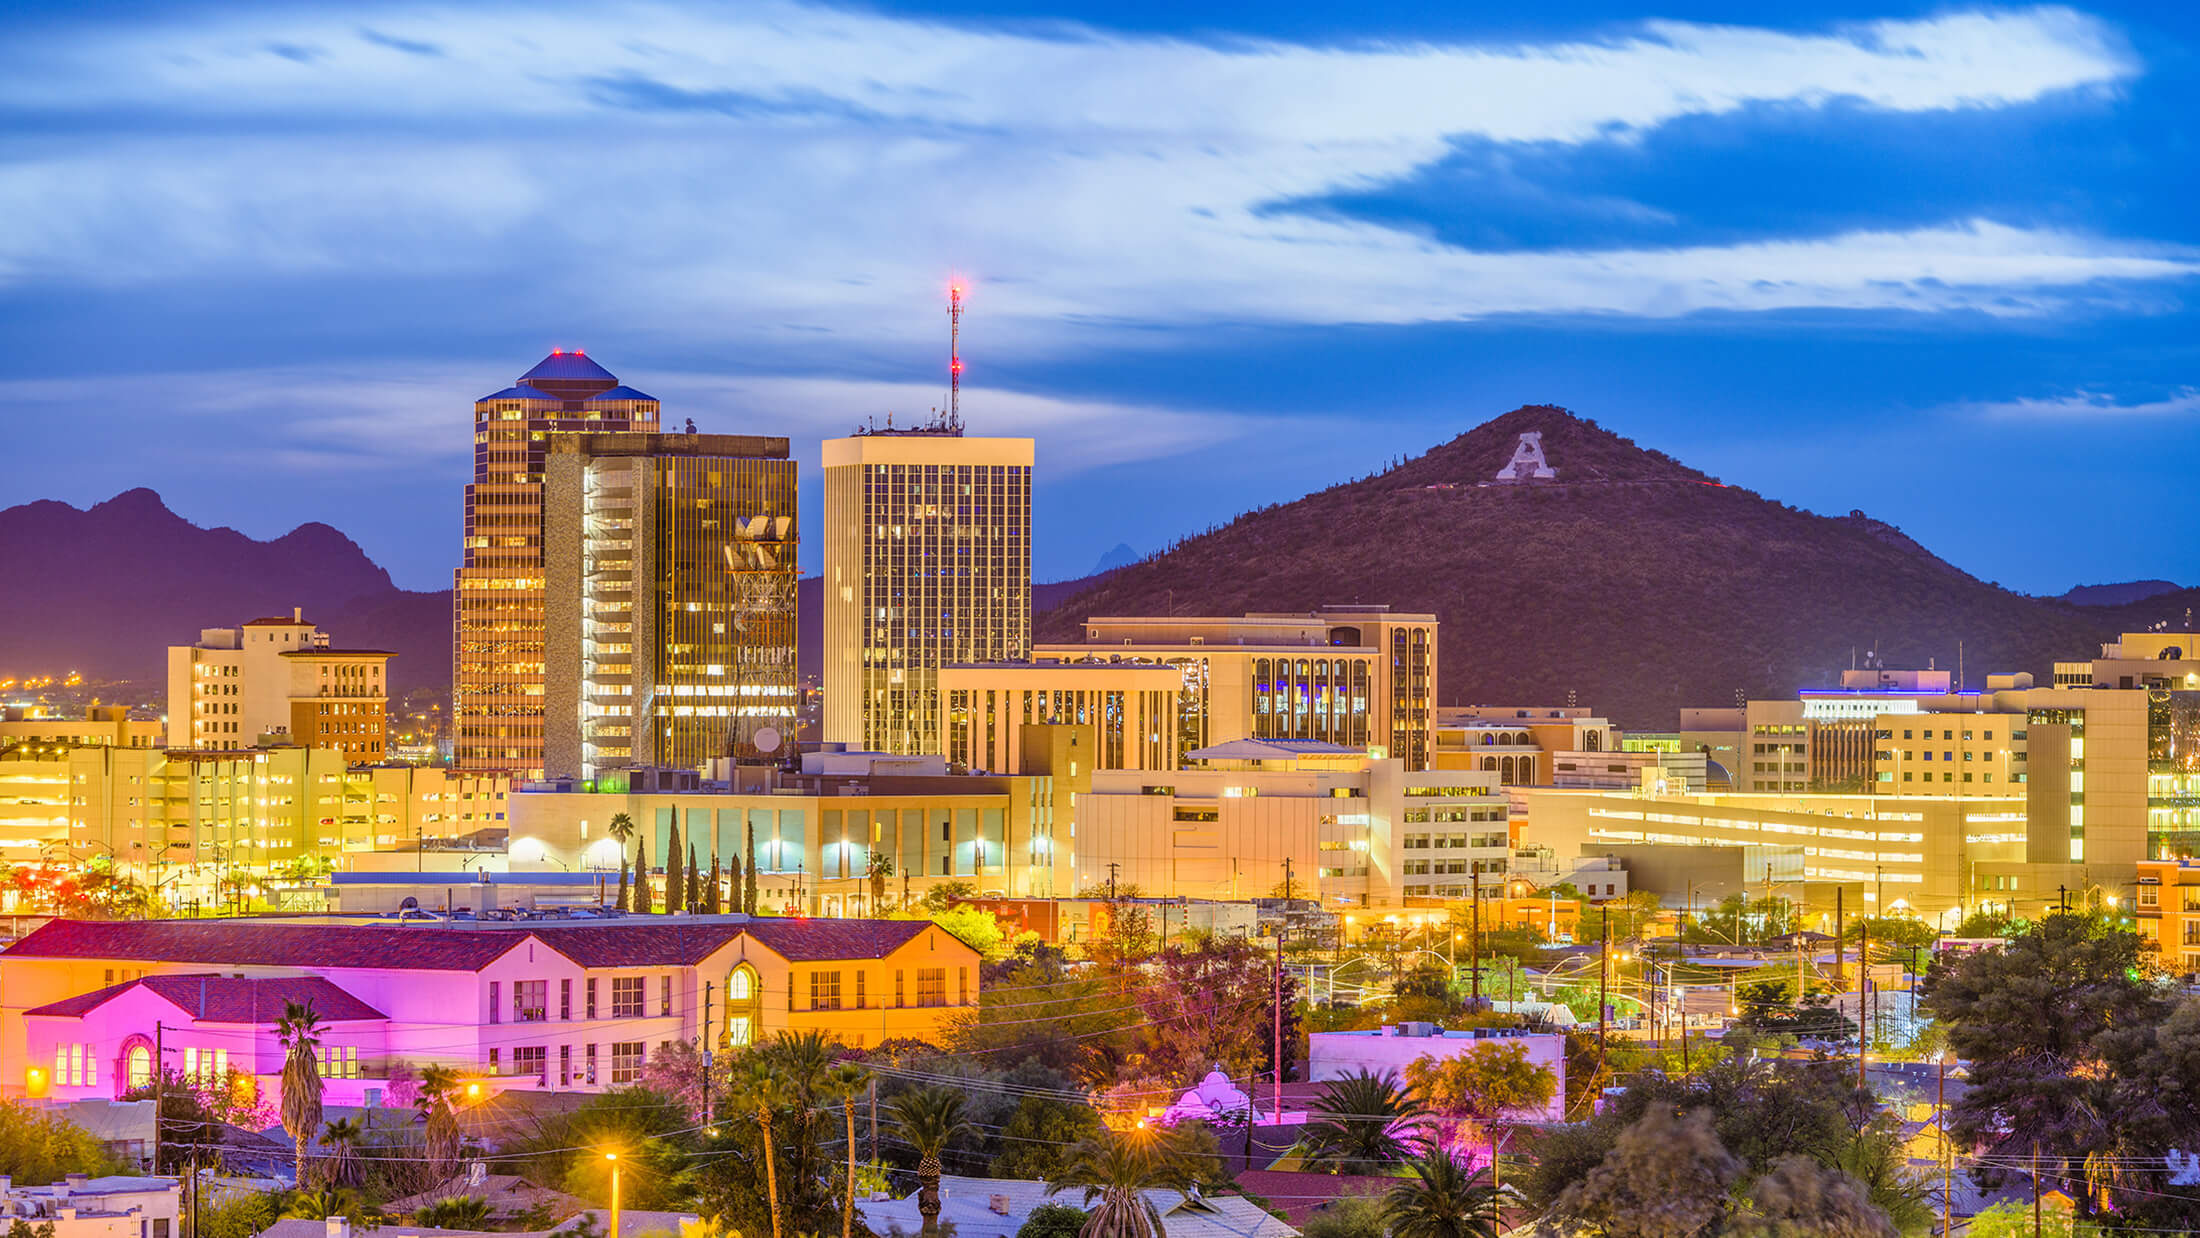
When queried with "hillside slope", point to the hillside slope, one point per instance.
{"points": [[105, 590], [1634, 582]]}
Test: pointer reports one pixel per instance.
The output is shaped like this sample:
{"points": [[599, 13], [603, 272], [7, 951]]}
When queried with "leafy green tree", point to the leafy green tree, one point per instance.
{"points": [[1040, 1136], [1442, 1200], [300, 1032], [2036, 1021], [1491, 1078], [1666, 1177], [39, 1147], [242, 1215], [1988, 923], [651, 1129], [1114, 1172], [1903, 933], [1361, 1124], [1800, 1198], [1353, 1216], [928, 1119], [1052, 1221]]}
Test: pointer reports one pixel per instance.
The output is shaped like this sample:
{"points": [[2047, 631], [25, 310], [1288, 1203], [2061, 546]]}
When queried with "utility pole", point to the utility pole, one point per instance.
{"points": [[2035, 1188], [1112, 866], [613, 1157], [706, 1052], [874, 1117], [1863, 995], [160, 1079], [1604, 979], [1474, 943], [1275, 1003], [1287, 886], [1947, 1152], [1839, 982]]}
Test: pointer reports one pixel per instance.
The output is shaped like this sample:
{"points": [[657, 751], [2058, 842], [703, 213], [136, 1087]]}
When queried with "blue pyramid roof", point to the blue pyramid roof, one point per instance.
{"points": [[567, 365], [621, 392], [522, 392]]}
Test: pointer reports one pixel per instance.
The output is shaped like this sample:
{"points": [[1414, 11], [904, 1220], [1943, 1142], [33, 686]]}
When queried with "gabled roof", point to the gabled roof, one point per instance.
{"points": [[236, 943], [629, 944], [227, 999]]}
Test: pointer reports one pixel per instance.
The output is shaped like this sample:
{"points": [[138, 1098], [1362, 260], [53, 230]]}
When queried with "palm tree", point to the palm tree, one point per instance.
{"points": [[438, 1084], [622, 829], [761, 1090], [342, 1138], [300, 1032], [1442, 1200], [1359, 1124], [321, 1205], [845, 1082], [929, 1119], [454, 1212], [1116, 1170]]}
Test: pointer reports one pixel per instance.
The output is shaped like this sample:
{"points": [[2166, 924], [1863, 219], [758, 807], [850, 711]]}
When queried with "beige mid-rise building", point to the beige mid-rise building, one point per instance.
{"points": [[927, 562], [497, 665], [278, 678], [1131, 707], [1361, 677], [668, 622]]}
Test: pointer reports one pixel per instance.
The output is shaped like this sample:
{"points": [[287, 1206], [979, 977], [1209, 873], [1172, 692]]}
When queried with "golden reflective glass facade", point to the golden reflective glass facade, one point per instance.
{"points": [[497, 594]]}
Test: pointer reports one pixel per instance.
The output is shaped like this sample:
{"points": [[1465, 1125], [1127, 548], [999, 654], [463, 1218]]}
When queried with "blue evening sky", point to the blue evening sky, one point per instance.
{"points": [[1938, 263]]}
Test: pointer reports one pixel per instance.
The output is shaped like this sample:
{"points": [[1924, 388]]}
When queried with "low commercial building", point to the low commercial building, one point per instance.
{"points": [[1292, 819], [814, 837], [1392, 1047], [549, 1006], [1360, 677], [81, 1206], [2167, 911], [101, 725], [1131, 706], [1518, 743]]}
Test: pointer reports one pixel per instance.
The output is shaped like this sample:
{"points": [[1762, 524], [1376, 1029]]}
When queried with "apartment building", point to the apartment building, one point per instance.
{"points": [[548, 1007], [1361, 677], [278, 677], [2166, 907]]}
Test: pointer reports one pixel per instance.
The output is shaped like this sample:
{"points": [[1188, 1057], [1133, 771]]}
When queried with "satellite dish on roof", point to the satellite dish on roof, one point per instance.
{"points": [[766, 739]]}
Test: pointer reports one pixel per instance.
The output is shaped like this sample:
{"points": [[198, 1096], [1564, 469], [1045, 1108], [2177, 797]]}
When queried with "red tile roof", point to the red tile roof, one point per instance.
{"points": [[803, 941], [670, 942], [238, 943], [228, 999]]}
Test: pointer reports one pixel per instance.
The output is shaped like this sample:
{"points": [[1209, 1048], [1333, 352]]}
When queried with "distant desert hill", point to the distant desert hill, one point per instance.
{"points": [[1633, 582]]}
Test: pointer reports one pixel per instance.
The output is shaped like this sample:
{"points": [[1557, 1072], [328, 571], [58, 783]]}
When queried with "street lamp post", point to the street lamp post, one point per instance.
{"points": [[613, 1157]]}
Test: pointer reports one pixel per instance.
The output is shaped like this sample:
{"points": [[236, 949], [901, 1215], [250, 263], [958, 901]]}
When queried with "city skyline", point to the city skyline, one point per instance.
{"points": [[1922, 243]]}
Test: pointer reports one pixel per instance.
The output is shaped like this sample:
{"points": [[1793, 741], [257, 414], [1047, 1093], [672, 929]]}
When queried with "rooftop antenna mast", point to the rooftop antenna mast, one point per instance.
{"points": [[954, 356]]}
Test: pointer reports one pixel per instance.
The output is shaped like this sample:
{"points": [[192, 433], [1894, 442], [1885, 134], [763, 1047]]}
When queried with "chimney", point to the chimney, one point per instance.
{"points": [[76, 1179], [999, 1205], [297, 614], [339, 1227]]}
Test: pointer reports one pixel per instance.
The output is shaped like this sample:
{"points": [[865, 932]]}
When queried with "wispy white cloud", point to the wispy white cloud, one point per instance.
{"points": [[797, 172], [346, 418], [2089, 405]]}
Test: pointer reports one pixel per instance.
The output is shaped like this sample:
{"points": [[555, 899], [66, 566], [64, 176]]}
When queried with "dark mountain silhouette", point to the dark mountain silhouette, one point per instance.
{"points": [[2120, 594], [106, 590], [1632, 581], [1121, 556]]}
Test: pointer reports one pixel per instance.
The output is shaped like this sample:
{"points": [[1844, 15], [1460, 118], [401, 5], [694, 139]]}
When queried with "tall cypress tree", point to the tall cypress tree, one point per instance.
{"points": [[675, 884], [641, 877], [695, 880], [625, 902], [711, 904], [748, 895], [733, 882]]}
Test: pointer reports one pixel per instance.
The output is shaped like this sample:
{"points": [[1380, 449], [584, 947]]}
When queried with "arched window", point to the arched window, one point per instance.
{"points": [[1593, 742], [1489, 764], [138, 1065], [744, 1006]]}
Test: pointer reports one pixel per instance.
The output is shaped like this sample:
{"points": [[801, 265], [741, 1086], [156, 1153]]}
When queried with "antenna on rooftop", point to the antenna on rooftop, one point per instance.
{"points": [[954, 356]]}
